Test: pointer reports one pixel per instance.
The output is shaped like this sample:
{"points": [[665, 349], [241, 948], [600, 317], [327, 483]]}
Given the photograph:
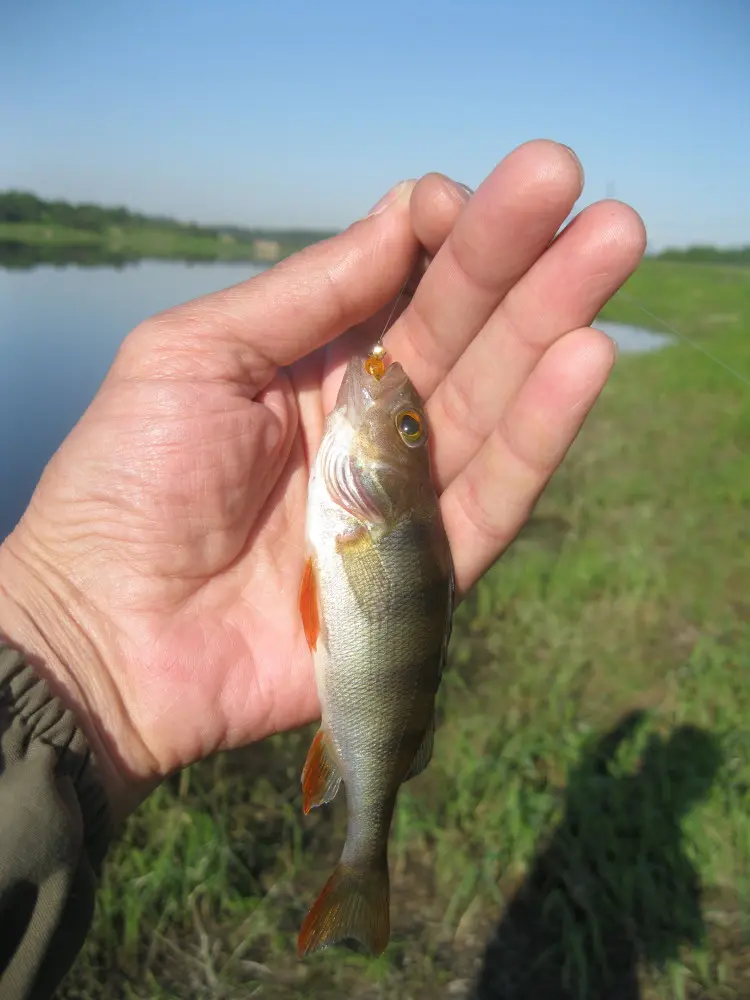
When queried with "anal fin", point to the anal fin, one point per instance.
{"points": [[321, 777]]}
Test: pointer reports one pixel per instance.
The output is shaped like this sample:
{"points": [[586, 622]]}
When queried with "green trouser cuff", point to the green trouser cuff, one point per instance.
{"points": [[55, 828]]}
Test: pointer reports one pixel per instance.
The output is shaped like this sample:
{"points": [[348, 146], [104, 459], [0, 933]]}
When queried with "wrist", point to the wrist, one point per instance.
{"points": [[47, 623]]}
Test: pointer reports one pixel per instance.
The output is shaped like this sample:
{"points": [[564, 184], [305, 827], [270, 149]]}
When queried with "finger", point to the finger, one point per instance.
{"points": [[436, 203], [486, 505], [417, 273], [245, 332], [506, 225], [564, 290]]}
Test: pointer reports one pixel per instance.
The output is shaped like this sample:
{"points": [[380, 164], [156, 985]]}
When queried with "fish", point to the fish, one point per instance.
{"points": [[376, 600]]}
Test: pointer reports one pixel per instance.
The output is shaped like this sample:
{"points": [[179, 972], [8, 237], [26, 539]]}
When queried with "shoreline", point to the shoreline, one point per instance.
{"points": [[28, 245]]}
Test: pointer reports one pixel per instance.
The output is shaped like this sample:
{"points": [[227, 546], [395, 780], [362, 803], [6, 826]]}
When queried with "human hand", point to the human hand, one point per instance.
{"points": [[155, 574]]}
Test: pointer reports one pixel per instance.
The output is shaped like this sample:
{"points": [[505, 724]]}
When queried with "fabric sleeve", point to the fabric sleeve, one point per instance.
{"points": [[55, 828]]}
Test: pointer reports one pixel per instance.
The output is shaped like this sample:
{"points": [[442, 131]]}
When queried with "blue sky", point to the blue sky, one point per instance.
{"points": [[304, 113]]}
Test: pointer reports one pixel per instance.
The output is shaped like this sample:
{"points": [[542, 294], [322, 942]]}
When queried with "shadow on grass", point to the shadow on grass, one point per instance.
{"points": [[613, 886]]}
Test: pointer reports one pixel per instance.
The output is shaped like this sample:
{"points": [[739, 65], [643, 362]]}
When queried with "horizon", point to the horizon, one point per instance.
{"points": [[280, 230], [286, 118]]}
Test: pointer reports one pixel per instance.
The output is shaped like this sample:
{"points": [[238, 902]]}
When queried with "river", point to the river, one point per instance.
{"points": [[59, 331]]}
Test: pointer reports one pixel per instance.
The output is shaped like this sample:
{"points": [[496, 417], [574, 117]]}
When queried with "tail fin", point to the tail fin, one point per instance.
{"points": [[354, 904]]}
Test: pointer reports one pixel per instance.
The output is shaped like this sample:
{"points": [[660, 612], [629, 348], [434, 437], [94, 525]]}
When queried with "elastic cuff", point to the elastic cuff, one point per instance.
{"points": [[32, 717]]}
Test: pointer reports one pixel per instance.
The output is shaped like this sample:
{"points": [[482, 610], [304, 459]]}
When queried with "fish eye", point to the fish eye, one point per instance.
{"points": [[411, 426]]}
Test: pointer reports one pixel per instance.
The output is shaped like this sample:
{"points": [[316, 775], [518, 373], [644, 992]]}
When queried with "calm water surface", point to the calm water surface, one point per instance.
{"points": [[60, 330]]}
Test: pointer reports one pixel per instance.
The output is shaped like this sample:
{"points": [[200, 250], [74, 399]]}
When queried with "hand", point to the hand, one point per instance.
{"points": [[155, 574]]}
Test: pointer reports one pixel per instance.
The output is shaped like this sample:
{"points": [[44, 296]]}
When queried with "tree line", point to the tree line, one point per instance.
{"points": [[708, 254], [25, 207]]}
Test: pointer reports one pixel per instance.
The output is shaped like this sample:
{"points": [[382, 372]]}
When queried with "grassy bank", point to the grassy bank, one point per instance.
{"points": [[24, 244], [584, 828]]}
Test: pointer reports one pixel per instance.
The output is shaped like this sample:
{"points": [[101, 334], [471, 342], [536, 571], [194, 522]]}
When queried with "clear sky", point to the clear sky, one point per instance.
{"points": [[303, 112]]}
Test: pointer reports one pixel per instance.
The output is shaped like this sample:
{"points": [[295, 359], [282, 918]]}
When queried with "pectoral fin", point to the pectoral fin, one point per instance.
{"points": [[366, 573], [321, 777], [308, 605]]}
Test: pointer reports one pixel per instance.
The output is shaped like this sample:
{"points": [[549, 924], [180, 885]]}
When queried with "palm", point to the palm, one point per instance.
{"points": [[199, 532], [189, 472]]}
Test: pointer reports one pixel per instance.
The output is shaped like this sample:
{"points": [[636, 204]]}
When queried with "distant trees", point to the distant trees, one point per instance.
{"points": [[708, 254], [23, 206]]}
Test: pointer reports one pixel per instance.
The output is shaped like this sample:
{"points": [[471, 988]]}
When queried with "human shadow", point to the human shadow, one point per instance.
{"points": [[613, 885]]}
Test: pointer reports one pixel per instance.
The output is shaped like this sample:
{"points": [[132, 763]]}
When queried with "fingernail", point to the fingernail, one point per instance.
{"points": [[577, 163], [466, 188], [390, 199]]}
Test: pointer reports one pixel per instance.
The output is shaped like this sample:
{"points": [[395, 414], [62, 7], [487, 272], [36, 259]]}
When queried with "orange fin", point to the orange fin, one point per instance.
{"points": [[308, 605], [354, 905], [320, 776]]}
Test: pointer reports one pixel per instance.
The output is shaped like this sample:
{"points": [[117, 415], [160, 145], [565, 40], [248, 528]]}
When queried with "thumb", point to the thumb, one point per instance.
{"points": [[248, 330]]}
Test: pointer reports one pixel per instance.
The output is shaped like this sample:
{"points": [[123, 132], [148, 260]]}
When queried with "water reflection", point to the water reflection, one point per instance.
{"points": [[23, 256]]}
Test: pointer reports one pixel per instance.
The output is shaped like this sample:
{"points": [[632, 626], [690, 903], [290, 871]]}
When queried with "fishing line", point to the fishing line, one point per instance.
{"points": [[375, 363], [393, 310], [681, 336], [627, 298]]}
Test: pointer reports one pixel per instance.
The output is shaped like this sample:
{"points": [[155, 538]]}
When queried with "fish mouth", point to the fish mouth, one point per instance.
{"points": [[347, 480], [360, 390]]}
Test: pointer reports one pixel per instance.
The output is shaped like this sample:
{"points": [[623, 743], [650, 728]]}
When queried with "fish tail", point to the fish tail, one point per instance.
{"points": [[354, 904]]}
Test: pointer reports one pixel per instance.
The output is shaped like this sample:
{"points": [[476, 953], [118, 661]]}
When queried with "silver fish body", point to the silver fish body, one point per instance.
{"points": [[376, 602]]}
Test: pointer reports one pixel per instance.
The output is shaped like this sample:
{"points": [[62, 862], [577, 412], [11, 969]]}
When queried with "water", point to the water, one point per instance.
{"points": [[59, 331], [634, 339]]}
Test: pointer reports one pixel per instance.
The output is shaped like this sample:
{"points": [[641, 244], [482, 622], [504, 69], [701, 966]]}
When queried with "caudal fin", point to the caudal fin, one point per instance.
{"points": [[354, 904]]}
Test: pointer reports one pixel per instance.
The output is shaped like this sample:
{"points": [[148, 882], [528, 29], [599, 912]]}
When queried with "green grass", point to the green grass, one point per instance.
{"points": [[176, 245], [39, 234], [41, 242], [584, 828]]}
